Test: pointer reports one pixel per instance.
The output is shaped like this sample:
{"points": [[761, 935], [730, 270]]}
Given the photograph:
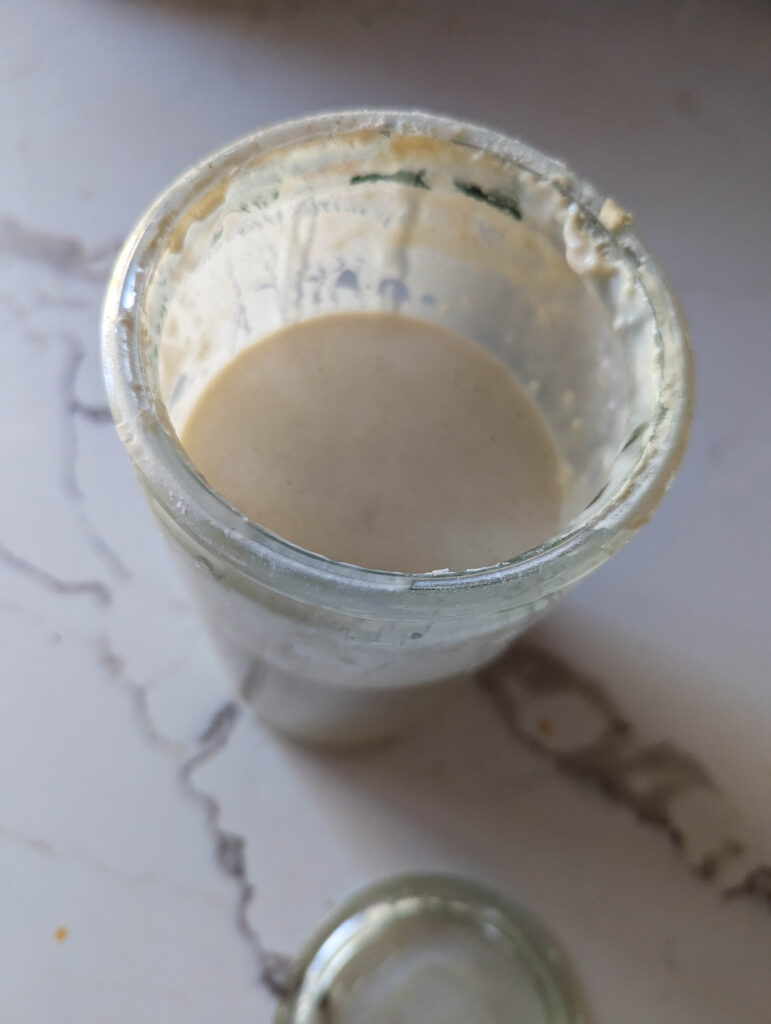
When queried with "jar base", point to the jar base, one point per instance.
{"points": [[322, 714]]}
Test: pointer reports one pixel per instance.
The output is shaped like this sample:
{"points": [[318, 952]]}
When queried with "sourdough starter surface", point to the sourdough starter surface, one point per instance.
{"points": [[380, 440]]}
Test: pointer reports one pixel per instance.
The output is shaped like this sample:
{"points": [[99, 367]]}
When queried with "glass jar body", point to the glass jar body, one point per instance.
{"points": [[329, 675], [421, 216]]}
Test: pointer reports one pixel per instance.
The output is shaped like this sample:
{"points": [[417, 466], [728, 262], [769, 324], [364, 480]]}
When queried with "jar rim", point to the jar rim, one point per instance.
{"points": [[256, 553], [481, 920]]}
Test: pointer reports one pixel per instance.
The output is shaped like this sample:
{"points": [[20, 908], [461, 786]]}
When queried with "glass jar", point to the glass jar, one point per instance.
{"points": [[431, 949], [447, 222]]}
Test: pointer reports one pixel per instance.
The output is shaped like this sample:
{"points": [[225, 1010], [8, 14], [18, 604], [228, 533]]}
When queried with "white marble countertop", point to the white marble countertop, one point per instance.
{"points": [[160, 854]]}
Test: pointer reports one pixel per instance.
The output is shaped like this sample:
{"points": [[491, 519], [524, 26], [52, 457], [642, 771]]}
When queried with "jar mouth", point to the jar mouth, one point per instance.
{"points": [[468, 928], [185, 499]]}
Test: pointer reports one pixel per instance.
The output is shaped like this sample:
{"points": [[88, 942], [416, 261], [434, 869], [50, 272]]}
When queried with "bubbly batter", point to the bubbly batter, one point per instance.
{"points": [[380, 440]]}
